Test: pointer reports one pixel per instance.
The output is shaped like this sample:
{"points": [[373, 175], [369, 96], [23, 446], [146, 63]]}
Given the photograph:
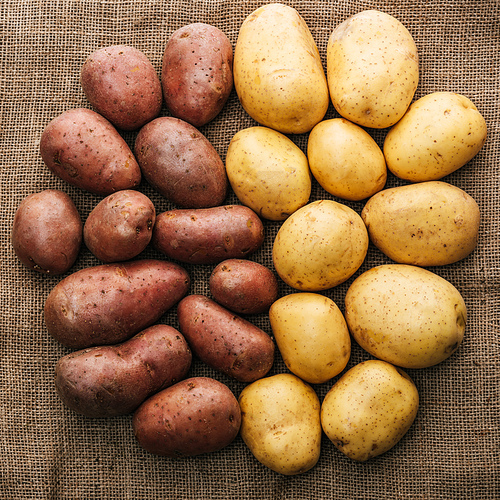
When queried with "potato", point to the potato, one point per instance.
{"points": [[107, 381], [180, 163], [369, 409], [268, 172], [372, 69], [278, 74], [405, 315], [439, 134], [345, 160], [280, 423], [430, 223], [243, 286], [320, 246], [122, 85], [46, 232], [224, 341], [110, 303], [312, 336], [194, 416], [84, 149], [197, 73], [208, 235]]}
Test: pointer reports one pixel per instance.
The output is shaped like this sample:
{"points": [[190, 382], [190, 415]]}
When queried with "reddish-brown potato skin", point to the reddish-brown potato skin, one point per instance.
{"points": [[197, 73], [223, 340], [120, 226], [179, 162], [122, 85], [84, 149], [110, 303], [243, 286], [208, 235], [195, 416], [47, 232], [107, 381]]}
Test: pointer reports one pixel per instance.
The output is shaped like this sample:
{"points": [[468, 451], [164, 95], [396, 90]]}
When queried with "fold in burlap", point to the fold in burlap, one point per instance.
{"points": [[48, 452]]}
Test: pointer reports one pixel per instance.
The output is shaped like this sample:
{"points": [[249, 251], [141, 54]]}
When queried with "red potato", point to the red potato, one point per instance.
{"points": [[107, 381], [223, 340], [110, 303], [84, 149]]}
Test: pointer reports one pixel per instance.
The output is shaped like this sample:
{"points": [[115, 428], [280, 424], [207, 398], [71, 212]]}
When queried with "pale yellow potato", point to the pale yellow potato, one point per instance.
{"points": [[280, 423], [372, 69], [278, 74], [430, 223], [320, 246], [268, 172], [439, 134], [405, 315], [312, 336], [369, 409], [345, 160]]}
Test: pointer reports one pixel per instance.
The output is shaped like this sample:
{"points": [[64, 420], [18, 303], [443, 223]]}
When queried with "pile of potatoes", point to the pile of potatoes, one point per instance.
{"points": [[402, 314]]}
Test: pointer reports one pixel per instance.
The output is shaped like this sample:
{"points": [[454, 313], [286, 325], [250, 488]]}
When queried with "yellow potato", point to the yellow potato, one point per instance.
{"points": [[278, 74], [369, 409], [320, 246], [268, 172], [405, 315], [425, 224], [346, 160], [280, 423], [312, 336], [372, 69], [440, 133]]}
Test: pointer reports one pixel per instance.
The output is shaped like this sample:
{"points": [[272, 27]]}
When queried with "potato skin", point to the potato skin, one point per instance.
{"points": [[223, 340], [197, 73], [47, 232], [208, 235], [110, 303], [106, 381], [122, 85], [84, 149], [195, 416], [120, 226], [181, 163]]}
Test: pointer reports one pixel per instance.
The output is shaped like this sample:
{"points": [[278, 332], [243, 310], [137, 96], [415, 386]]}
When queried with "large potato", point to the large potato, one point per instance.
{"points": [[197, 73], [439, 134], [46, 232], [405, 315], [268, 172], [280, 423], [320, 246], [85, 150], [278, 74], [106, 381], [425, 224], [372, 69], [110, 303]]}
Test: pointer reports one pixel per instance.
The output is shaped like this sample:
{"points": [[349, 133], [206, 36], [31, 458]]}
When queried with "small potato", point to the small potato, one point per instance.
{"points": [[180, 163], [223, 340], [120, 227], [107, 381], [122, 85], [280, 423], [46, 232], [85, 150], [243, 286], [197, 73], [195, 416], [208, 235]]}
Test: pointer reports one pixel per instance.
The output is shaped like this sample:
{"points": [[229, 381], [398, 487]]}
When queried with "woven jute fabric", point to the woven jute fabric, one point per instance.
{"points": [[451, 452]]}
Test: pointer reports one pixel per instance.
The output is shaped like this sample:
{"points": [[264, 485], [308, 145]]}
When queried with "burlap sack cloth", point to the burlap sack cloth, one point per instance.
{"points": [[48, 452]]}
